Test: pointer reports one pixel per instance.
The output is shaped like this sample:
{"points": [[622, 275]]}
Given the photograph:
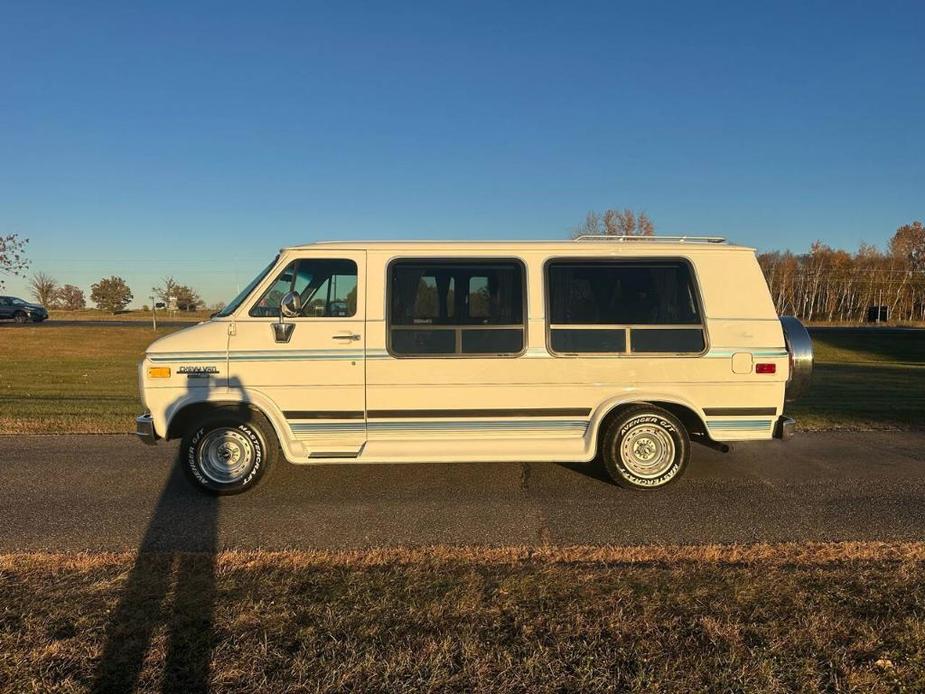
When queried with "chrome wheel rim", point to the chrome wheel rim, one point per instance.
{"points": [[226, 455], [647, 451]]}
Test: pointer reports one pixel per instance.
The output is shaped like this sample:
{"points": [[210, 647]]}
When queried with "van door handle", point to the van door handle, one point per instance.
{"points": [[346, 336]]}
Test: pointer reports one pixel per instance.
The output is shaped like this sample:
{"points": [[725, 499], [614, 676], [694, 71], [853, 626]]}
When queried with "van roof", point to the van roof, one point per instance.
{"points": [[675, 243]]}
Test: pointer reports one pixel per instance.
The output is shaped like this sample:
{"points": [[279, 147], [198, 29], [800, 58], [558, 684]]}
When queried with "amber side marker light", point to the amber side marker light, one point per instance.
{"points": [[765, 368], [158, 372]]}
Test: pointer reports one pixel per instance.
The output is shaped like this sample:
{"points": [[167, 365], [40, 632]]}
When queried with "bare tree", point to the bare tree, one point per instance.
{"points": [[12, 256], [614, 222], [167, 290], [43, 288], [177, 295]]}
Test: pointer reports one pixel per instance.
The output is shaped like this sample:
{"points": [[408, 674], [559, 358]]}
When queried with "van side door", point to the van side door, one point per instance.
{"points": [[314, 369]]}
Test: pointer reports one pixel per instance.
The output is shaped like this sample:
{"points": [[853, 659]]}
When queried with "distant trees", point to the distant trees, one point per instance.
{"points": [[43, 288], [70, 298], [46, 291], [183, 297], [12, 256], [111, 294], [909, 243], [613, 222], [187, 299], [166, 291], [827, 284]]}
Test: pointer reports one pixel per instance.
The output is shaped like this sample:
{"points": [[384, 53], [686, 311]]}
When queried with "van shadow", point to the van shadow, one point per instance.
{"points": [[178, 551], [593, 469]]}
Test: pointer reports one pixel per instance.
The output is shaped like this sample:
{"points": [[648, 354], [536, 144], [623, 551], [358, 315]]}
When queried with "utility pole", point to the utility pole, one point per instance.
{"points": [[153, 311]]}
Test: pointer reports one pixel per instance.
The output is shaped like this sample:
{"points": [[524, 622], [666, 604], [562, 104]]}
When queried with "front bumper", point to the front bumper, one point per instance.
{"points": [[784, 428], [144, 429]]}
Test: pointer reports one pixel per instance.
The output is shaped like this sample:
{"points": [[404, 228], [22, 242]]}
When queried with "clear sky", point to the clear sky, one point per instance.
{"points": [[195, 138]]}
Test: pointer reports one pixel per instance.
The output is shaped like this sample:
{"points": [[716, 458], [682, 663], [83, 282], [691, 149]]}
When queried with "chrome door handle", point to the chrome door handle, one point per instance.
{"points": [[348, 336]]}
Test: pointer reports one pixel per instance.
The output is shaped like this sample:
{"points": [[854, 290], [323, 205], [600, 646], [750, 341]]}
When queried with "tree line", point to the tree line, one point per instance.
{"points": [[824, 284], [828, 284], [110, 294]]}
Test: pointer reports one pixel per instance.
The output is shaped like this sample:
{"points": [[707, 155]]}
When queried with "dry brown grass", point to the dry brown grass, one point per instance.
{"points": [[847, 616]]}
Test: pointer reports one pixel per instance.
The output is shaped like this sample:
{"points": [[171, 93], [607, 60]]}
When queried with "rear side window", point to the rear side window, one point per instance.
{"points": [[327, 287], [623, 307], [456, 308]]}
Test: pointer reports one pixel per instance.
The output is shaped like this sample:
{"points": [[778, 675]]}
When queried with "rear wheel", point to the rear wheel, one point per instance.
{"points": [[645, 447], [21, 317], [229, 453]]}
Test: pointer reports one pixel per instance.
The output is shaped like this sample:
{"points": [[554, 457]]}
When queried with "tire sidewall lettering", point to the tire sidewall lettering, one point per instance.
{"points": [[192, 454], [670, 429]]}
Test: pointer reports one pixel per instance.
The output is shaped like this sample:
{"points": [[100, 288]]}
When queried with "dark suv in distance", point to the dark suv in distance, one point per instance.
{"points": [[21, 311]]}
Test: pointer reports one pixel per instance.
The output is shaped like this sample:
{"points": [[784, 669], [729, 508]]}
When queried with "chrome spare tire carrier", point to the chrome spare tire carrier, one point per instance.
{"points": [[800, 348]]}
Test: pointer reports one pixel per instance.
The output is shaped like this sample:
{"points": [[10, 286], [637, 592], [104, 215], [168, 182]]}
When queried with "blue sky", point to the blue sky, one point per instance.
{"points": [[196, 138]]}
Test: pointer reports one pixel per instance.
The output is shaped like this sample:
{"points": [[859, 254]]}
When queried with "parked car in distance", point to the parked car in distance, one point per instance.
{"points": [[12, 308], [624, 349]]}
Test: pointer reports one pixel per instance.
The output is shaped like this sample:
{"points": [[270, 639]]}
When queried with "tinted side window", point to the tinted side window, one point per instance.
{"points": [[327, 287], [451, 307], [630, 294]]}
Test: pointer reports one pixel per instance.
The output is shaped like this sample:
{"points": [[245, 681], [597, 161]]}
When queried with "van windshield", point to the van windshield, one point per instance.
{"points": [[234, 303]]}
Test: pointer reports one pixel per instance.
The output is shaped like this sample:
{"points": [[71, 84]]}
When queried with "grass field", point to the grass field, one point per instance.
{"points": [[70, 379], [92, 314], [83, 380], [865, 380], [845, 617]]}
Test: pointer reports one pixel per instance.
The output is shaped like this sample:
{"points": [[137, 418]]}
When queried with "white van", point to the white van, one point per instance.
{"points": [[619, 348]]}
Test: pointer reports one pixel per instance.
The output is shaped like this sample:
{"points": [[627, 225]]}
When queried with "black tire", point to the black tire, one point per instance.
{"points": [[244, 442], [21, 317], [645, 447]]}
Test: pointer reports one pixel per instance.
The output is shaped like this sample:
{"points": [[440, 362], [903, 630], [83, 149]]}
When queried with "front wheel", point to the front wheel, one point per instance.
{"points": [[645, 447], [229, 453], [21, 317]]}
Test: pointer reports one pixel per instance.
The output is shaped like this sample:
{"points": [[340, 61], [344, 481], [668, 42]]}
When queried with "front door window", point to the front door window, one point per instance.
{"points": [[326, 286]]}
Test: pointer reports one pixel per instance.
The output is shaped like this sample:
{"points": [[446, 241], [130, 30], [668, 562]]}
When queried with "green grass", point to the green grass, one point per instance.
{"points": [[865, 380], [765, 619], [83, 379], [93, 314], [70, 379]]}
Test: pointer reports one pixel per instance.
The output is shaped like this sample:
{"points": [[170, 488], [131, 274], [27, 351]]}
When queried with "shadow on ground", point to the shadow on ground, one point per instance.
{"points": [[160, 566], [143, 606]]}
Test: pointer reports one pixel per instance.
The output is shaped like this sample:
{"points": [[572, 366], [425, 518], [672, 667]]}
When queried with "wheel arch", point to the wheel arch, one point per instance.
{"points": [[189, 410], [685, 411]]}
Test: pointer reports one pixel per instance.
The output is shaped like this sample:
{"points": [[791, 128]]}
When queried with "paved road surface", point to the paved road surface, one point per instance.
{"points": [[110, 492]]}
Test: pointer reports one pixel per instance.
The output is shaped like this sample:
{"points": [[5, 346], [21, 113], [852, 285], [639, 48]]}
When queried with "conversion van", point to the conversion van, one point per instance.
{"points": [[623, 349]]}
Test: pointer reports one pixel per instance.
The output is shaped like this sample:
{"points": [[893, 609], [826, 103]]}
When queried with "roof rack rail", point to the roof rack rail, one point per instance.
{"points": [[676, 239]]}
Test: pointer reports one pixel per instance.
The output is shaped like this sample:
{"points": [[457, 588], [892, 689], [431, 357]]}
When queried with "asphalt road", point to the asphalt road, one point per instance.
{"points": [[113, 493]]}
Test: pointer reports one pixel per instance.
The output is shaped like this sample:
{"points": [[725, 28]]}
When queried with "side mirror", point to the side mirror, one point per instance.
{"points": [[290, 306]]}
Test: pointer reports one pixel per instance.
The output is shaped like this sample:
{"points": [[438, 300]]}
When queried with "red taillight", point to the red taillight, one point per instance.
{"points": [[765, 368]]}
